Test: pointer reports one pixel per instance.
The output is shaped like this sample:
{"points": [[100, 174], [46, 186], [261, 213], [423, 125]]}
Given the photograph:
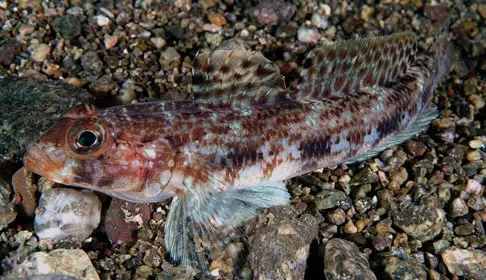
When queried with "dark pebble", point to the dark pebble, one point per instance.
{"points": [[69, 27], [8, 51]]}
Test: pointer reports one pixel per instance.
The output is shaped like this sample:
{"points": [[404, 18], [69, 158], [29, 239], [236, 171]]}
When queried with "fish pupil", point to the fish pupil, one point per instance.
{"points": [[87, 139]]}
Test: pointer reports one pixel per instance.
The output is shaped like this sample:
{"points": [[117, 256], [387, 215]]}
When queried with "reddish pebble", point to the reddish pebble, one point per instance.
{"points": [[123, 220]]}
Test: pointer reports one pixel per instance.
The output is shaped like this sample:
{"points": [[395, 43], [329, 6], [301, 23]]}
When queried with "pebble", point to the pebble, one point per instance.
{"points": [[399, 177], [464, 230], [308, 35], [158, 42], [110, 41], [366, 13], [458, 207], [69, 27], [382, 241], [67, 214], [7, 210], [25, 190], [398, 269], [102, 20], [337, 217], [476, 144], [328, 199], [420, 222], [319, 21], [171, 55], [343, 260], [66, 262], [280, 251], [476, 202], [473, 187], [9, 50], [206, 4], [128, 92], [469, 263], [40, 52], [415, 148], [91, 62], [436, 12], [217, 19], [482, 10], [102, 86], [271, 12], [473, 155], [350, 228], [477, 101], [123, 219]]}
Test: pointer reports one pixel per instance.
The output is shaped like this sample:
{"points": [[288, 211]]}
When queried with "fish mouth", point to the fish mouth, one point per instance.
{"points": [[38, 161]]}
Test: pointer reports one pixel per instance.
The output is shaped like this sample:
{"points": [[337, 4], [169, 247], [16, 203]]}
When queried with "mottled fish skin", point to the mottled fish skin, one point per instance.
{"points": [[245, 130]]}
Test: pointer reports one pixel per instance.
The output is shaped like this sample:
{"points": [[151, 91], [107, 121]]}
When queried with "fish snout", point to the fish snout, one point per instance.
{"points": [[38, 160]]}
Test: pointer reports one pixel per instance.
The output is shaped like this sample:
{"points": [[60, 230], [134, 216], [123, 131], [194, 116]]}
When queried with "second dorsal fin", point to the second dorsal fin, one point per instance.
{"points": [[235, 76], [348, 66]]}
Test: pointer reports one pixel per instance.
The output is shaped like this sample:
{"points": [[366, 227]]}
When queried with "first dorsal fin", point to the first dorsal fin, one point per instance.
{"points": [[236, 75], [348, 66]]}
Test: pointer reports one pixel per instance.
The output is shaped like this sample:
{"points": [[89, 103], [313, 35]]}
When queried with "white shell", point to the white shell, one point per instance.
{"points": [[67, 214]]}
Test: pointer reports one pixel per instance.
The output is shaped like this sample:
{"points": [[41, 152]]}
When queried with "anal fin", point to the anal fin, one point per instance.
{"points": [[419, 125], [200, 214]]}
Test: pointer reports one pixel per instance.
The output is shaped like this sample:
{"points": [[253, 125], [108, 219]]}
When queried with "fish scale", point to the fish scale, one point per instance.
{"points": [[225, 153]]}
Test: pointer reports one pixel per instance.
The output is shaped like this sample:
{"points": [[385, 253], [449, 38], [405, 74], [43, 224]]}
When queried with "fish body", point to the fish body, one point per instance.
{"points": [[225, 153]]}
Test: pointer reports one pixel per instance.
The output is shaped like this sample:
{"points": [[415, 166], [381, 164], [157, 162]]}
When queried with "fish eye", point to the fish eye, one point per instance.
{"points": [[87, 139]]}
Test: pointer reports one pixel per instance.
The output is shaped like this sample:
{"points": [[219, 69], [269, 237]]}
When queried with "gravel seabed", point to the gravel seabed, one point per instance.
{"points": [[417, 210]]}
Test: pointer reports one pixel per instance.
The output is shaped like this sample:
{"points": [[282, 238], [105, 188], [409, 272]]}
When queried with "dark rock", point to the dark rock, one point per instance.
{"points": [[343, 260], [351, 24], [436, 12], [91, 62], [69, 27], [397, 269], [280, 251], [464, 230], [9, 50], [176, 31], [28, 108], [328, 199], [7, 211], [421, 222], [123, 219], [103, 85], [382, 241], [365, 176], [271, 12], [415, 148]]}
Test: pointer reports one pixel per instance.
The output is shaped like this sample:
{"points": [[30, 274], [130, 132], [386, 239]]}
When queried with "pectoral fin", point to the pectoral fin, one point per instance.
{"points": [[198, 214]]}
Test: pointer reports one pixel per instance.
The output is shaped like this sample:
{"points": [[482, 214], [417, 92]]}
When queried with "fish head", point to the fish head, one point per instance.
{"points": [[82, 150]]}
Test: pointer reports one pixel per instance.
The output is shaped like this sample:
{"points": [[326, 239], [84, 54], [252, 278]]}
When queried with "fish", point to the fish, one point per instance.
{"points": [[226, 152]]}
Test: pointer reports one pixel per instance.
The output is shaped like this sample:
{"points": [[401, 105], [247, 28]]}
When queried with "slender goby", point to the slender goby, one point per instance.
{"points": [[225, 153]]}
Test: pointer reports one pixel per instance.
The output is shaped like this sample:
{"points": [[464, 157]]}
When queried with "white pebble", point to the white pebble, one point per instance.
{"points": [[102, 20], [476, 144], [319, 21], [67, 214], [308, 35], [158, 42], [474, 187], [40, 52]]}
